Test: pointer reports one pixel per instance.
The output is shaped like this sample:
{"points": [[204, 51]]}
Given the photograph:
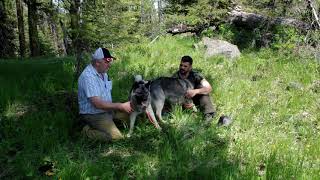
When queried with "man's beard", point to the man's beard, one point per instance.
{"points": [[183, 72]]}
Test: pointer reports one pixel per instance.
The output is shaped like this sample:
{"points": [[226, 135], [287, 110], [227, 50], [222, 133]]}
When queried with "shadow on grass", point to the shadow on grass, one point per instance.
{"points": [[32, 111]]}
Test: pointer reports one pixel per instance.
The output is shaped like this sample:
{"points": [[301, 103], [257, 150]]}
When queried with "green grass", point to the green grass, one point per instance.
{"points": [[273, 98]]}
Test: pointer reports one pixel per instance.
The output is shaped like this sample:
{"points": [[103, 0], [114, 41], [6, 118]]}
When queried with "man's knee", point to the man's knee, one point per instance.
{"points": [[121, 118], [101, 127], [112, 129], [95, 134], [204, 102]]}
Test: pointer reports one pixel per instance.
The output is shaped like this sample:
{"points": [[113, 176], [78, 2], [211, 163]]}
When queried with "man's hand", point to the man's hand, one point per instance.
{"points": [[126, 107], [188, 105], [191, 93]]}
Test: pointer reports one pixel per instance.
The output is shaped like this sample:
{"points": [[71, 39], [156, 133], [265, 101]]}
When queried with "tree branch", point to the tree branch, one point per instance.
{"points": [[314, 13]]}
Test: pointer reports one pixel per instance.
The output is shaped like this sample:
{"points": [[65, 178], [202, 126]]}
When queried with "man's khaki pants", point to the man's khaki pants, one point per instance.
{"points": [[101, 126]]}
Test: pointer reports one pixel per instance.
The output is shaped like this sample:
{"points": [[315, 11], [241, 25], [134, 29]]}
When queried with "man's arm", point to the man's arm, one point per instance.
{"points": [[205, 89], [100, 104]]}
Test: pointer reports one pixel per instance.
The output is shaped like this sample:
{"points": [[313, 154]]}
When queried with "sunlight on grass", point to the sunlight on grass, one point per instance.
{"points": [[16, 110]]}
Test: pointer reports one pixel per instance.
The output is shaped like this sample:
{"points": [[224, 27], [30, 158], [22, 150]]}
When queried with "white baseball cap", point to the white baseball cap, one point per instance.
{"points": [[101, 53]]}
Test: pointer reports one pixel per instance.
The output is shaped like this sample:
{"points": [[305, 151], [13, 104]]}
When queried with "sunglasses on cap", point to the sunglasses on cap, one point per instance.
{"points": [[108, 59]]}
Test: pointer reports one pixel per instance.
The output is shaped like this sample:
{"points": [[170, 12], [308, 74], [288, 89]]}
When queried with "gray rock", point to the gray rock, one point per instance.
{"points": [[294, 86], [224, 121], [219, 47]]}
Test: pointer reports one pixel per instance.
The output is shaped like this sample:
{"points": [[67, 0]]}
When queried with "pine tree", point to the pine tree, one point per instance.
{"points": [[7, 46]]}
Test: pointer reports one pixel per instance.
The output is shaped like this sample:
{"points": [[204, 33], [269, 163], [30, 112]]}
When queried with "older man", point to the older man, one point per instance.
{"points": [[95, 102]]}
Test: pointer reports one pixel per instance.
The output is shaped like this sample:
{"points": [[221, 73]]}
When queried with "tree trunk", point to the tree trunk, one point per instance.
{"points": [[58, 44], [62, 43], [160, 10], [7, 47], [75, 25], [67, 49], [54, 34], [22, 41], [76, 36], [33, 29]]}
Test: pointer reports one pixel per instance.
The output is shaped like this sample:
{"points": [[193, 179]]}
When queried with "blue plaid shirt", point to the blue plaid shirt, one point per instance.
{"points": [[91, 84]]}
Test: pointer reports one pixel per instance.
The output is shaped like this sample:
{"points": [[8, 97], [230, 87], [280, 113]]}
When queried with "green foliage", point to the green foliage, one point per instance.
{"points": [[114, 23], [286, 38], [312, 38], [46, 45], [206, 13], [243, 38], [277, 8], [208, 33], [227, 32], [196, 12], [118, 23]]}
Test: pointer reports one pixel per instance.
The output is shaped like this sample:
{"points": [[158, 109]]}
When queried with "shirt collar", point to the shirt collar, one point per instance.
{"points": [[93, 70]]}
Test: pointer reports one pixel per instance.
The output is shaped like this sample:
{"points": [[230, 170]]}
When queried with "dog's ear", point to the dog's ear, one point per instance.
{"points": [[147, 84], [138, 78]]}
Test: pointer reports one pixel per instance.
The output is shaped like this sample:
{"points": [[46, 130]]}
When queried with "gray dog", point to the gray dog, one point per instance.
{"points": [[140, 100], [150, 96]]}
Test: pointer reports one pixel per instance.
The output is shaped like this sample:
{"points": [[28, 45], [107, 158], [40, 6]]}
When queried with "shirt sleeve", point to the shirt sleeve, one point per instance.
{"points": [[198, 77]]}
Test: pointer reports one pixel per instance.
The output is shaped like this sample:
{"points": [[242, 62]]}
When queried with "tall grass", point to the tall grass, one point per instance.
{"points": [[272, 97]]}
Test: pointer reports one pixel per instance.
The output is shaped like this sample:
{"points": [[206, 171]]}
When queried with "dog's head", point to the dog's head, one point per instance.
{"points": [[140, 94]]}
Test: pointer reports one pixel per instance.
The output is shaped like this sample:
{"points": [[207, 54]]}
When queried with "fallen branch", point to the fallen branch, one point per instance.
{"points": [[252, 20], [245, 20], [314, 13]]}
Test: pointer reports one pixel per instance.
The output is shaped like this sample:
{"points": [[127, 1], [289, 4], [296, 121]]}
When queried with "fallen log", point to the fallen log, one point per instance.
{"points": [[252, 21], [245, 20]]}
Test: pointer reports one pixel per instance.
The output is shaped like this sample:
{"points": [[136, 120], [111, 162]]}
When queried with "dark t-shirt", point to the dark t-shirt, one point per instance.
{"points": [[194, 77]]}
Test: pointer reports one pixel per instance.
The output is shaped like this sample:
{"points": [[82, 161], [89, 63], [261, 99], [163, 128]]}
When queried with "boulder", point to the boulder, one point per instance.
{"points": [[219, 47]]}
